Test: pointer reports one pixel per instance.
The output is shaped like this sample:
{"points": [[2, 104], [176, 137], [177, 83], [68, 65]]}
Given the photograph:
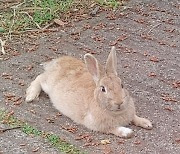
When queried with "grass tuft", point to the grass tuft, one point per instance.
{"points": [[110, 3], [31, 14]]}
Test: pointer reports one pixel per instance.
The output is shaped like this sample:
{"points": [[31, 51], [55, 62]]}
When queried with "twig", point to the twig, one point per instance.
{"points": [[47, 26], [2, 46], [14, 15], [6, 129], [153, 28], [13, 21], [16, 6], [31, 19]]}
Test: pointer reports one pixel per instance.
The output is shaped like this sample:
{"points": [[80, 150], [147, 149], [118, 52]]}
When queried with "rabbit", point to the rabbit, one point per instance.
{"points": [[89, 94]]}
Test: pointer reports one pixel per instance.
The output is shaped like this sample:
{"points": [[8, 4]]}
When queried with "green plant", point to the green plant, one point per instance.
{"points": [[110, 3], [31, 14]]}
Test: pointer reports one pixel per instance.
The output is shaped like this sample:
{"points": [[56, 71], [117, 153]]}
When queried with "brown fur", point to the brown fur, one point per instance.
{"points": [[88, 94]]}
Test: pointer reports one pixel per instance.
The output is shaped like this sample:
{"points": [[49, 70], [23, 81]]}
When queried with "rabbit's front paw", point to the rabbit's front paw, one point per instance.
{"points": [[145, 123], [142, 122], [31, 94]]}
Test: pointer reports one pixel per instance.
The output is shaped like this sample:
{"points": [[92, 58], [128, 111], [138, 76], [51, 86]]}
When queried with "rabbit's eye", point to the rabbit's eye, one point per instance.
{"points": [[122, 85], [103, 89]]}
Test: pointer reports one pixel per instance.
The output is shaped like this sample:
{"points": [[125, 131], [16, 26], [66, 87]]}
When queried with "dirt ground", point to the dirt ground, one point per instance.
{"points": [[147, 37]]}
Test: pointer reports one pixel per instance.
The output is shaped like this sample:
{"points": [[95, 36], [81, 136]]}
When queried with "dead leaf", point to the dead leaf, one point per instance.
{"points": [[70, 129], [152, 74], [120, 38], [91, 144], [58, 114], [168, 98], [121, 142], [177, 141], [111, 17], [106, 141], [7, 76], [176, 84], [86, 26], [154, 59], [29, 67], [33, 48], [60, 22], [87, 50], [137, 142], [21, 83], [168, 108], [35, 150]]}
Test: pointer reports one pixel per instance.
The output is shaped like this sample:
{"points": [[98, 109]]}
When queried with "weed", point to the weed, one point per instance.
{"points": [[110, 3]]}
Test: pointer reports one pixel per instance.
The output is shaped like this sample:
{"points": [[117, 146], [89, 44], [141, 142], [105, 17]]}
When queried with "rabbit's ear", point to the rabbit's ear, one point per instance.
{"points": [[111, 64], [92, 66]]}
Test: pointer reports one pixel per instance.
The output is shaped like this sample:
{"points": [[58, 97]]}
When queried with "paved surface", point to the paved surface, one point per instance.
{"points": [[147, 37], [16, 142]]}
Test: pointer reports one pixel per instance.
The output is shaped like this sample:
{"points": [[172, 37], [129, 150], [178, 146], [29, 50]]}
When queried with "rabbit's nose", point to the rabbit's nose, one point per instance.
{"points": [[118, 106]]}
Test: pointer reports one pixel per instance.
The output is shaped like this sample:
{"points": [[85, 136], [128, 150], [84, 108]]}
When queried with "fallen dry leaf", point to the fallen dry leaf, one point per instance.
{"points": [[168, 108], [33, 48], [87, 50], [154, 59], [70, 129], [60, 22], [162, 42], [7, 76], [120, 38], [152, 74], [86, 26], [177, 141], [35, 150], [145, 53], [141, 21], [91, 144], [58, 114], [176, 84], [137, 142], [85, 137], [168, 98], [111, 17], [121, 142], [147, 37], [9, 96], [104, 142], [21, 83], [15, 53], [29, 67]]}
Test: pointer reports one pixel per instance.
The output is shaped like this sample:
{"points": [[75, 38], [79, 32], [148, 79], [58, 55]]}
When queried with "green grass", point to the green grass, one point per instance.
{"points": [[37, 14], [53, 139], [110, 3], [31, 14]]}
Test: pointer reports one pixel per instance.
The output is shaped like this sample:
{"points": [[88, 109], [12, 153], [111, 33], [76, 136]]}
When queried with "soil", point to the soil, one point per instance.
{"points": [[147, 37]]}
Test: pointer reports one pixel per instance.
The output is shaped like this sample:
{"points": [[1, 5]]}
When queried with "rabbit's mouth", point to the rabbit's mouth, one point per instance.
{"points": [[115, 108]]}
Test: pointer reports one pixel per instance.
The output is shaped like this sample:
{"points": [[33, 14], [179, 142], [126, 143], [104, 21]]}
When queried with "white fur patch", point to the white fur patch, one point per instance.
{"points": [[125, 131], [89, 117]]}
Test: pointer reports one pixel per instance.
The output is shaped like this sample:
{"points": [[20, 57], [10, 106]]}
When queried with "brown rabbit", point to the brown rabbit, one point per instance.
{"points": [[89, 94]]}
